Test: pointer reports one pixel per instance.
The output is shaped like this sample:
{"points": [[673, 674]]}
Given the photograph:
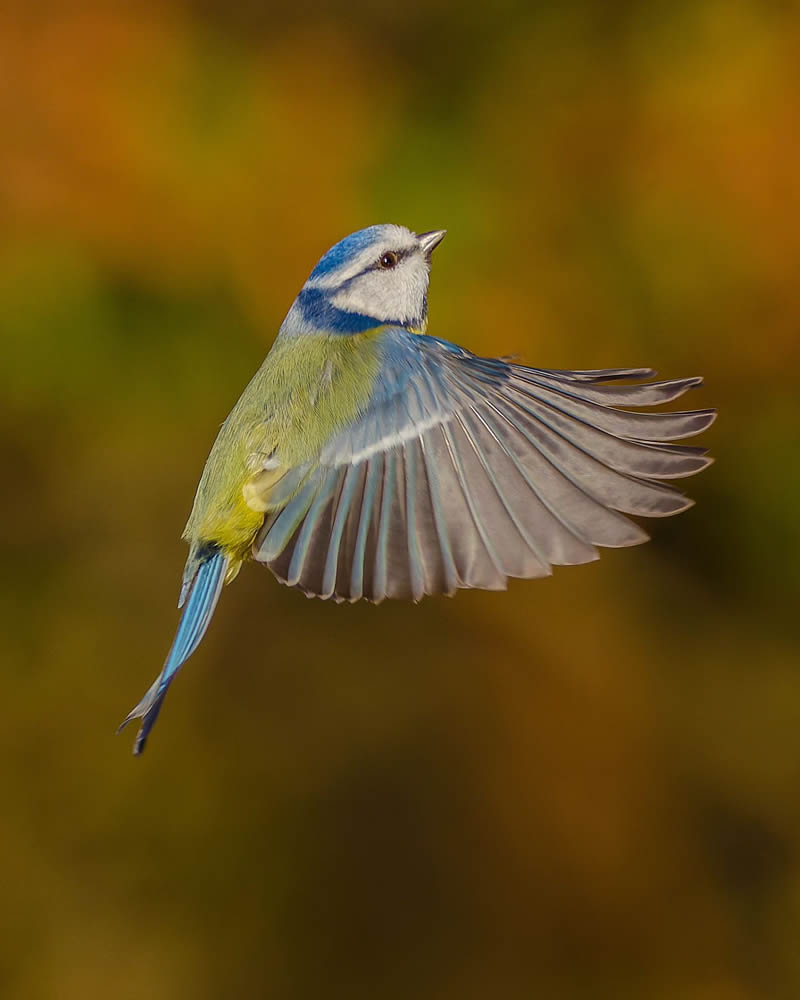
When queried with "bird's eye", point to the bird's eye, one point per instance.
{"points": [[388, 260]]}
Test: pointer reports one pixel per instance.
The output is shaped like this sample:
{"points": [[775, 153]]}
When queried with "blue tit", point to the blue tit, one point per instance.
{"points": [[367, 459]]}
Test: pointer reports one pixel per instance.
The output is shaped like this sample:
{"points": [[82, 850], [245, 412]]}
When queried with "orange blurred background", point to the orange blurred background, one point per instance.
{"points": [[585, 787]]}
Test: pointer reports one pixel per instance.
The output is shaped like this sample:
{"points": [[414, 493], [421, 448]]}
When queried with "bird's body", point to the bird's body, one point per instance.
{"points": [[303, 390], [367, 459]]}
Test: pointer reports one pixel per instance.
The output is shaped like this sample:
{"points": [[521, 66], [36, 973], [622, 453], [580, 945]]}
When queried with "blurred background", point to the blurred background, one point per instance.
{"points": [[586, 787]]}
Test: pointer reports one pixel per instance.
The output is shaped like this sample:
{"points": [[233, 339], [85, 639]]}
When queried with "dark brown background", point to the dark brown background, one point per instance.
{"points": [[586, 787]]}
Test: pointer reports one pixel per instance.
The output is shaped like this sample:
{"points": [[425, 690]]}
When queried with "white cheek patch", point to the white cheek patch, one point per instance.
{"points": [[392, 295]]}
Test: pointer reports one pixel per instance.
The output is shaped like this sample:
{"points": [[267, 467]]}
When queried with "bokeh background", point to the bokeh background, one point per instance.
{"points": [[586, 787]]}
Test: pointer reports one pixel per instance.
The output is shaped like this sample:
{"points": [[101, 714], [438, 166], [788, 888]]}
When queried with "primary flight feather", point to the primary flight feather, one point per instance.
{"points": [[367, 459]]}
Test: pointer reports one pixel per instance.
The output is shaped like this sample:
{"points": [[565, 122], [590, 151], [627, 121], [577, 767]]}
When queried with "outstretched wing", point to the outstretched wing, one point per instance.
{"points": [[464, 471]]}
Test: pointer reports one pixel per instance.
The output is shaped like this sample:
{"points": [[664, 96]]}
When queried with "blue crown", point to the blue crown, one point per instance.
{"points": [[346, 249]]}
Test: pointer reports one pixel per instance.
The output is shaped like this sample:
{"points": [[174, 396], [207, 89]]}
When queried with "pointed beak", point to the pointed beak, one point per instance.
{"points": [[429, 241]]}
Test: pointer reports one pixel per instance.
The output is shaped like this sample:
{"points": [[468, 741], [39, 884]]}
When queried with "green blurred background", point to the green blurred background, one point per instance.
{"points": [[585, 787]]}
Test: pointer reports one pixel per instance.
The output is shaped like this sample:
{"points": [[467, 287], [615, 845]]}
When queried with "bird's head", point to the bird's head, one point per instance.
{"points": [[375, 276]]}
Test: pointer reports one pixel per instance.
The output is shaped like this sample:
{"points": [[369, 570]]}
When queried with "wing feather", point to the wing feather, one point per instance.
{"points": [[361, 576], [471, 559], [428, 544], [650, 394], [560, 442], [413, 512], [517, 549], [464, 471], [305, 566], [350, 481], [442, 523]]}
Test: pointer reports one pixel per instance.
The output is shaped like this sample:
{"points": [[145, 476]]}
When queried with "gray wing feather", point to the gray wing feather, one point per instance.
{"points": [[464, 471], [601, 374], [466, 552], [363, 552], [440, 550], [650, 394]]}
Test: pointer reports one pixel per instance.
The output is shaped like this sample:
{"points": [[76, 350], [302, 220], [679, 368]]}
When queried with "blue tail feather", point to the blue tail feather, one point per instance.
{"points": [[202, 595]]}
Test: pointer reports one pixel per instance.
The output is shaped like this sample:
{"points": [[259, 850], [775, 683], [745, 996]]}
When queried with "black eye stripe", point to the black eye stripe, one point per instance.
{"points": [[376, 266]]}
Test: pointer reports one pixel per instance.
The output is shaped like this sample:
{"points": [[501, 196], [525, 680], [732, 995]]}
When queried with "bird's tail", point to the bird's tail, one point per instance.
{"points": [[201, 596]]}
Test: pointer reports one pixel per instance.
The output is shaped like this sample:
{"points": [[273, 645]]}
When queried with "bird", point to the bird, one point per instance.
{"points": [[369, 459]]}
